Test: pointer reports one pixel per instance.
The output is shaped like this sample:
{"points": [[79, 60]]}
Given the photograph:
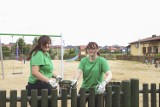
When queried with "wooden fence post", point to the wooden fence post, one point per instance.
{"points": [[153, 95], [54, 98], [116, 96], [44, 98], [100, 100], [134, 93], [34, 98], [13, 98], [64, 97], [108, 96], [24, 98], [126, 96], [73, 97], [3, 98], [145, 95]]}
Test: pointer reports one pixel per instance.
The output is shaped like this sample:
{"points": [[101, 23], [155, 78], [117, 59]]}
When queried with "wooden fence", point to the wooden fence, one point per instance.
{"points": [[118, 94]]}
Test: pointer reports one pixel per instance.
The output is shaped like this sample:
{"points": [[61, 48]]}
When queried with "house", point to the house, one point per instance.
{"points": [[56, 47], [82, 50], [146, 46], [10, 45], [115, 48]]}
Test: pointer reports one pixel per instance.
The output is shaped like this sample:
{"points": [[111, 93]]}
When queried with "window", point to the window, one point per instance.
{"points": [[149, 49], [144, 50], [155, 49]]}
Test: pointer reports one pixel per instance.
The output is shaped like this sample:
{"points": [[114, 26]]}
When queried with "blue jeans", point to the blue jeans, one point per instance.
{"points": [[39, 85]]}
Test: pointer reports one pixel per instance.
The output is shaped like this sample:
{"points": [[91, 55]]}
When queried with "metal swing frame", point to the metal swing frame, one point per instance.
{"points": [[12, 34]]}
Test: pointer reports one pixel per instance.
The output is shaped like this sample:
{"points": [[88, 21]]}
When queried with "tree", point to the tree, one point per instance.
{"points": [[116, 46], [35, 41], [71, 51], [21, 45], [6, 51], [28, 48]]}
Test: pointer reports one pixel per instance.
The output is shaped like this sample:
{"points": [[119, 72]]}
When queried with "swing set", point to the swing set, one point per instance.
{"points": [[17, 51]]}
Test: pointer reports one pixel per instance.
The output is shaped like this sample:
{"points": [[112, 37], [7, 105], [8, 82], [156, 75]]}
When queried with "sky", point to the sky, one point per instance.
{"points": [[107, 22]]}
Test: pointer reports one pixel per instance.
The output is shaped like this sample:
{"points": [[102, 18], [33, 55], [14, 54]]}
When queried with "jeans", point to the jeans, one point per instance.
{"points": [[39, 85]]}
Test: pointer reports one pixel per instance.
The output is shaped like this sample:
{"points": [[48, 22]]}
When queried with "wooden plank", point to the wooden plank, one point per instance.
{"points": [[64, 97], [100, 100], [54, 98], [3, 98], [23, 98], [44, 98], [145, 95], [108, 96], [153, 95], [116, 96], [13, 98], [74, 97], [34, 98], [134, 93], [126, 96]]}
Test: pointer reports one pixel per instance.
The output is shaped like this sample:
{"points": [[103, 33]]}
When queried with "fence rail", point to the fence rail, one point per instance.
{"points": [[118, 94]]}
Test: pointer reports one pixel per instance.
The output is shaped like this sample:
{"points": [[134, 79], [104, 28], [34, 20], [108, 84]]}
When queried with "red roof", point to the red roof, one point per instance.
{"points": [[153, 38]]}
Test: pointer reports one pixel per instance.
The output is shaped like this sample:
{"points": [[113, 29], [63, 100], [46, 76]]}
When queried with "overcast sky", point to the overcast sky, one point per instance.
{"points": [[106, 22]]}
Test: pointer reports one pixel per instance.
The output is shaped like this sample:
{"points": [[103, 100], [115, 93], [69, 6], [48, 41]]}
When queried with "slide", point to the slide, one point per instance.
{"points": [[72, 59]]}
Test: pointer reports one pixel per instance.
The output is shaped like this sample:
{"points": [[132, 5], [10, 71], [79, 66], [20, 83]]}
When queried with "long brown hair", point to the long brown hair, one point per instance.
{"points": [[42, 41], [92, 45]]}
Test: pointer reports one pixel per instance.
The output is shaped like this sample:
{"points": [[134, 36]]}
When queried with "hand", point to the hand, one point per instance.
{"points": [[101, 87], [53, 83], [74, 83], [58, 78]]}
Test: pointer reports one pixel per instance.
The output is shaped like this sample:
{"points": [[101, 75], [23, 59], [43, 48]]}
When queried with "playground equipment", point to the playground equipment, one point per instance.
{"points": [[16, 57], [76, 57], [1, 59], [9, 34], [72, 59]]}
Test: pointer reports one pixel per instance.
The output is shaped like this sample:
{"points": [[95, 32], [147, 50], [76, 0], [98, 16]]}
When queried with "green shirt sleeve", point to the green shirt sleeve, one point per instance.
{"points": [[37, 59]]}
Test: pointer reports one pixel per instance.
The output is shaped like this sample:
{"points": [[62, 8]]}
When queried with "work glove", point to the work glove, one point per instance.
{"points": [[74, 83], [101, 87], [58, 78], [53, 83]]}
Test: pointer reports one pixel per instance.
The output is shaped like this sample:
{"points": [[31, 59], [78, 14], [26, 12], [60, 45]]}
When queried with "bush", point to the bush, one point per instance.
{"points": [[6, 52], [157, 57], [68, 56], [110, 56]]}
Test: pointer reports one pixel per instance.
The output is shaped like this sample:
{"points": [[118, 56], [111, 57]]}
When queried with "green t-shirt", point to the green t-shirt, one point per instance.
{"points": [[44, 61], [93, 72]]}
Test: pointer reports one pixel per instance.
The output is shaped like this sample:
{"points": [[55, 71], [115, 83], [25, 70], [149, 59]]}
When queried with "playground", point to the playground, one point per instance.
{"points": [[122, 70], [15, 73]]}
